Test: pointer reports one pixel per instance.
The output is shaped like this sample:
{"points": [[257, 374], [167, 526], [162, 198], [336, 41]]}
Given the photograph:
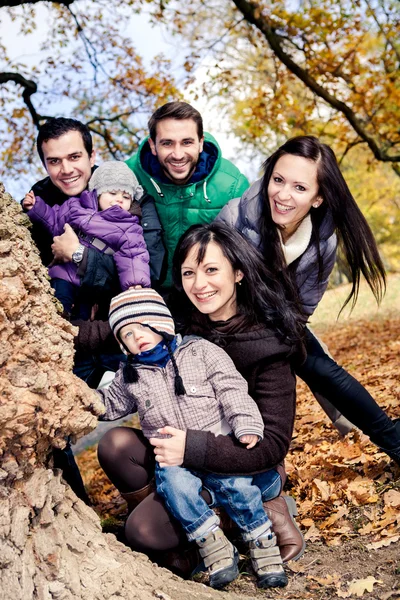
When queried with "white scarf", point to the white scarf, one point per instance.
{"points": [[298, 242]]}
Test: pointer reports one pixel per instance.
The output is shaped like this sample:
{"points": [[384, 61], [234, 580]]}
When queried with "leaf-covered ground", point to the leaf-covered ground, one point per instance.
{"points": [[347, 491]]}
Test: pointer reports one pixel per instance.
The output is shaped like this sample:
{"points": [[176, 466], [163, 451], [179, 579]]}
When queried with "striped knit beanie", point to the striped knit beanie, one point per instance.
{"points": [[144, 306]]}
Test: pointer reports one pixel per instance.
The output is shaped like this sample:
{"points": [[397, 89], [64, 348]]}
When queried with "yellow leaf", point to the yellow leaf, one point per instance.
{"points": [[383, 542], [335, 517], [324, 488], [312, 534], [357, 587], [392, 498]]}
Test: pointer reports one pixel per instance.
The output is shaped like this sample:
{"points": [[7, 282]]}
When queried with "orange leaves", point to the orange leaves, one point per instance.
{"points": [[343, 485], [361, 491]]}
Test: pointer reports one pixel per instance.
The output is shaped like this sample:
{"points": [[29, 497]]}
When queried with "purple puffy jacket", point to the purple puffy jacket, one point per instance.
{"points": [[116, 227]]}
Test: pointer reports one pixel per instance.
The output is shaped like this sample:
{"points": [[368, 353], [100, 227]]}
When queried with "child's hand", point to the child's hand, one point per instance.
{"points": [[249, 439], [29, 201], [135, 287]]}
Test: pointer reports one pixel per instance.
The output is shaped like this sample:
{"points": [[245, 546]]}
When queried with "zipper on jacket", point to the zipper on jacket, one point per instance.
{"points": [[206, 198], [158, 189]]}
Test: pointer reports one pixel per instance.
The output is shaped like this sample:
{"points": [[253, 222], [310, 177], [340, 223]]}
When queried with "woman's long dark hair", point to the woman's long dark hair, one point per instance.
{"points": [[261, 297], [354, 234]]}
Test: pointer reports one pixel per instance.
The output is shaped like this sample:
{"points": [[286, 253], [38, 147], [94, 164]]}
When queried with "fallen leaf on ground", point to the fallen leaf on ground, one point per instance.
{"points": [[392, 498], [335, 517], [384, 542], [357, 587], [328, 580]]}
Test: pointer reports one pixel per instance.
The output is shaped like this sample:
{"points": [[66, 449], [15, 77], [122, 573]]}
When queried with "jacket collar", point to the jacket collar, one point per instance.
{"points": [[209, 161]]}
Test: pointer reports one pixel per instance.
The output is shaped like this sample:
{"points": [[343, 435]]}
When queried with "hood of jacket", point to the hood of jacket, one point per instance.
{"points": [[208, 163]]}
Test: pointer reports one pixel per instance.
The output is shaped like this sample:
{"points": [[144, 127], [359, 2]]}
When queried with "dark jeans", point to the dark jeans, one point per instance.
{"points": [[65, 460], [70, 297], [323, 375], [91, 367]]}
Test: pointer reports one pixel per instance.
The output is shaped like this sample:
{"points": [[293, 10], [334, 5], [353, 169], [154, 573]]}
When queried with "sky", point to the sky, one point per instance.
{"points": [[26, 49]]}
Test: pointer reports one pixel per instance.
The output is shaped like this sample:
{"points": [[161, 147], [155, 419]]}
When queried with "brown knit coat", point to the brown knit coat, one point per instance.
{"points": [[263, 361]]}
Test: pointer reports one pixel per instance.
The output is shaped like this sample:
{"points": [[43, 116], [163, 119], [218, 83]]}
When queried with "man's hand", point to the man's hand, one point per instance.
{"points": [[64, 245], [249, 439], [29, 201], [169, 451]]}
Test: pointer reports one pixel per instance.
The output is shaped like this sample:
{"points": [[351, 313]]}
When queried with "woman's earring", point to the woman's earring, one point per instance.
{"points": [[316, 204], [239, 283]]}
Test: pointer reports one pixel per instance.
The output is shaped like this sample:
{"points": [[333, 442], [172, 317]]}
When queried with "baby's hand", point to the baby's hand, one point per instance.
{"points": [[249, 439], [29, 201], [135, 287]]}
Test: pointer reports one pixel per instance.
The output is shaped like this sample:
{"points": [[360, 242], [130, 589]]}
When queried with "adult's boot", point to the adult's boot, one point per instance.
{"points": [[133, 499], [281, 511]]}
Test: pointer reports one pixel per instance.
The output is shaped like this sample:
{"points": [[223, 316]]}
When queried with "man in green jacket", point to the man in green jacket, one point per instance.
{"points": [[182, 168]]}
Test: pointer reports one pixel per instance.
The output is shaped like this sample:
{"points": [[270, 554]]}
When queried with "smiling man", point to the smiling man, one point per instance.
{"points": [[66, 150], [182, 168]]}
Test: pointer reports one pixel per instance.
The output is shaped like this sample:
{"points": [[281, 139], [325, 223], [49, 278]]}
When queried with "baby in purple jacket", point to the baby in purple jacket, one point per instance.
{"points": [[103, 218]]}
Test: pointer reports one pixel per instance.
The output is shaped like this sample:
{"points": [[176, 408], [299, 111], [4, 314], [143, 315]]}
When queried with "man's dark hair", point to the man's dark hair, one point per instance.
{"points": [[175, 110], [58, 126]]}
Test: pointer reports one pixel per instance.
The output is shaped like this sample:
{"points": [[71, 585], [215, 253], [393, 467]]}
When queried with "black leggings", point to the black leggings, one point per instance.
{"points": [[324, 376]]}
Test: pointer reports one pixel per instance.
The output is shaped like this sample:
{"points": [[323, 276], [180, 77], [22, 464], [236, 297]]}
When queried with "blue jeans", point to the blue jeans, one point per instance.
{"points": [[91, 367], [240, 497], [70, 297]]}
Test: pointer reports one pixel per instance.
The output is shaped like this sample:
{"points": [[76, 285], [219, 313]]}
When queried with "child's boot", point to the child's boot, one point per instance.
{"points": [[220, 557], [267, 561]]}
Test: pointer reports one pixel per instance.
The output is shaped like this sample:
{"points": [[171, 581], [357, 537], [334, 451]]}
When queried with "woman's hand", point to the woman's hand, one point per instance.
{"points": [[169, 451]]}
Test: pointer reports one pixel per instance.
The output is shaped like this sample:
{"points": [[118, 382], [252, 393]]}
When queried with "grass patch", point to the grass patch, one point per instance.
{"points": [[366, 308]]}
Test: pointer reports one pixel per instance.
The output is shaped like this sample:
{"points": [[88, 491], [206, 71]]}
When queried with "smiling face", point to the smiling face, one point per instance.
{"points": [[292, 191], [211, 284], [121, 199], [177, 147], [67, 162], [139, 338]]}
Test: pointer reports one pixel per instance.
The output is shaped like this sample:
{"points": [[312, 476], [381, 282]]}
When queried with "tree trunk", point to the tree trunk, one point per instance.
{"points": [[51, 543]]}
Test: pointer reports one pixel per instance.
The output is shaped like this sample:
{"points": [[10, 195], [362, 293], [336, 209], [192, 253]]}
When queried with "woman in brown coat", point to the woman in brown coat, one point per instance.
{"points": [[259, 325]]}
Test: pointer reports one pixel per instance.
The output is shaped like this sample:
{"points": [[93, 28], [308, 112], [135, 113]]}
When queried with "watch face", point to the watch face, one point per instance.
{"points": [[77, 256]]}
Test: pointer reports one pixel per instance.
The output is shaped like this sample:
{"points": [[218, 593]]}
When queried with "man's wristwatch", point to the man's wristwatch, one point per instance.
{"points": [[78, 254]]}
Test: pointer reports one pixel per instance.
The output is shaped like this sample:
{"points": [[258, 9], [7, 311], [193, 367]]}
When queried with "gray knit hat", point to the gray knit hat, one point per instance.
{"points": [[115, 176]]}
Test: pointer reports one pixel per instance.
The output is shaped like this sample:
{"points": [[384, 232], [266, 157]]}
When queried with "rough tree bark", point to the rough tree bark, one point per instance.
{"points": [[51, 543]]}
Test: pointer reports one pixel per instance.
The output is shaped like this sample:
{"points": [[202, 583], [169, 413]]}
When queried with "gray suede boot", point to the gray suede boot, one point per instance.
{"points": [[267, 562], [220, 557]]}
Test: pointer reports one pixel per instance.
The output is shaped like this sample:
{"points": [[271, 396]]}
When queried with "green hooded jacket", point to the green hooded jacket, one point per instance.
{"points": [[180, 206]]}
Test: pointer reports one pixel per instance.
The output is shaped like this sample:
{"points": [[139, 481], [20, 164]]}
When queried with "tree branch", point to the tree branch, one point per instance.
{"points": [[252, 13], [30, 88]]}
